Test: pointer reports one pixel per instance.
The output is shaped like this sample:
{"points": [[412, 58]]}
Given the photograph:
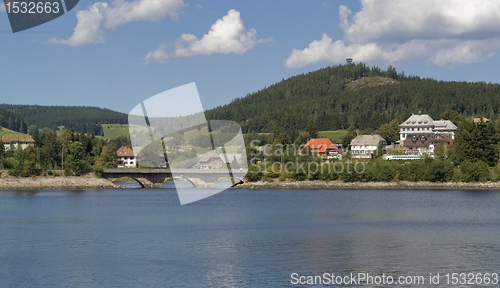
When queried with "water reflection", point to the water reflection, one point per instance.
{"points": [[181, 184], [241, 238], [128, 184], [167, 184]]}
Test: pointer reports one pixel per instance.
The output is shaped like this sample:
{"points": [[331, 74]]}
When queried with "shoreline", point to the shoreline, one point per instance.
{"points": [[399, 185], [84, 182], [89, 181]]}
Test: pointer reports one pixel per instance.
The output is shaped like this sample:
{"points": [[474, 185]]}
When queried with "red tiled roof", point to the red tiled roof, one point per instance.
{"points": [[319, 145], [125, 151]]}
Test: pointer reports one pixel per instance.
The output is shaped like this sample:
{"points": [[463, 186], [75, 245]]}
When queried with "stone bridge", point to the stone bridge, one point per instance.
{"points": [[154, 178]]}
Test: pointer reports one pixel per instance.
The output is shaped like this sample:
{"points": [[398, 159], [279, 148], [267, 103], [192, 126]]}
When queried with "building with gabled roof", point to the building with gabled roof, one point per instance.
{"points": [[420, 133], [210, 160], [12, 141], [365, 146], [319, 145], [323, 147], [126, 157], [424, 124]]}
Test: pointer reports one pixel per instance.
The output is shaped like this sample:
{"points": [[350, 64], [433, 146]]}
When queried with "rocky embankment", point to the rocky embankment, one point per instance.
{"points": [[88, 181], [401, 185]]}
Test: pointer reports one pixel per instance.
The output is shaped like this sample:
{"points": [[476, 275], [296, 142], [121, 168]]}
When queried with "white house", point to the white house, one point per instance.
{"points": [[12, 141], [126, 157], [210, 160], [365, 146]]}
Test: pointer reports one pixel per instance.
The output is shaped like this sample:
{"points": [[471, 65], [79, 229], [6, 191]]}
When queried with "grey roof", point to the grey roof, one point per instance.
{"points": [[422, 120], [210, 154], [367, 140], [444, 125]]}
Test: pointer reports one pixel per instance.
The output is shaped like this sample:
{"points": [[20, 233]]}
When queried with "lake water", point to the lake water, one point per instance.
{"points": [[243, 238]]}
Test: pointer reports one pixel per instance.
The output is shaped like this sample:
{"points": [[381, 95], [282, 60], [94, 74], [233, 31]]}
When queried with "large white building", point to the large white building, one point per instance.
{"points": [[423, 125], [420, 133]]}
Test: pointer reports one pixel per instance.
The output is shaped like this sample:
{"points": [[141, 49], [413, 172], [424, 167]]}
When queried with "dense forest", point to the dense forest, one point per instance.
{"points": [[88, 119], [335, 99], [12, 121], [70, 151]]}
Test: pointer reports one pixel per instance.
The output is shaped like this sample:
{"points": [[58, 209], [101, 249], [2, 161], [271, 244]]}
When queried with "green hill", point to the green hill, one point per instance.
{"points": [[338, 96], [89, 119], [12, 121]]}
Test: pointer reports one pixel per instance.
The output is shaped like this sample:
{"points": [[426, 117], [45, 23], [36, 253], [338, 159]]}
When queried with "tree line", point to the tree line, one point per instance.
{"points": [[88, 119], [12, 121], [69, 151], [329, 97]]}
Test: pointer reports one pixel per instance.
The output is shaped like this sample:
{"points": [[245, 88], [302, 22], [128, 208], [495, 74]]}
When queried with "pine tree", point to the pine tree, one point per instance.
{"points": [[474, 142], [312, 129]]}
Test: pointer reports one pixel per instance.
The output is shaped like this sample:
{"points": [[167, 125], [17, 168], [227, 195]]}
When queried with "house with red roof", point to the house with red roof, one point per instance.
{"points": [[126, 157], [323, 147]]}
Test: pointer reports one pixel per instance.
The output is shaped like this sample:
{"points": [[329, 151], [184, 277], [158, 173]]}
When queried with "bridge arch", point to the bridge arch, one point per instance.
{"points": [[137, 180], [154, 178]]}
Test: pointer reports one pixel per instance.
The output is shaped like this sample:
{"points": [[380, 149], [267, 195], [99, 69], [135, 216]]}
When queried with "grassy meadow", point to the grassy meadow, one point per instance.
{"points": [[332, 135], [112, 131]]}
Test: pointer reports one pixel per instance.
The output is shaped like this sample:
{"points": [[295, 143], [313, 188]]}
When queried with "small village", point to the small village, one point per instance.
{"points": [[418, 137]]}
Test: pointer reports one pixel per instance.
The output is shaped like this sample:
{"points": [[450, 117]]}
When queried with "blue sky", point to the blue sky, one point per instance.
{"points": [[97, 53]]}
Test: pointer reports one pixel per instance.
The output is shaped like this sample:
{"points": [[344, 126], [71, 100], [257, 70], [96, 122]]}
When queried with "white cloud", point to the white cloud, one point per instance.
{"points": [[198, 6], [100, 16], [446, 33], [159, 55], [227, 35], [89, 27]]}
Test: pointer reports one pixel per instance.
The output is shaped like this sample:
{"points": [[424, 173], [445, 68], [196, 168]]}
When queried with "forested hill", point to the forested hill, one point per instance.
{"points": [[78, 118], [353, 94], [12, 121]]}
